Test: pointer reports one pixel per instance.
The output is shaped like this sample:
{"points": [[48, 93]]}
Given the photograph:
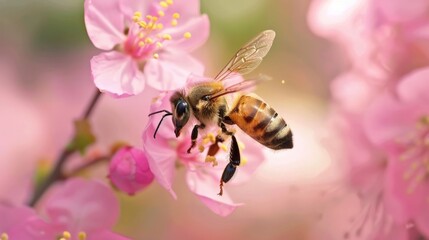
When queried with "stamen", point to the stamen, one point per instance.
{"points": [[82, 236], [187, 35], [176, 15], [169, 2], [161, 13], [223, 147], [142, 24], [174, 22], [201, 148], [156, 55], [141, 44], [163, 4], [149, 40], [243, 161], [212, 159], [66, 235], [167, 36], [4, 236], [137, 16], [159, 44], [160, 26]]}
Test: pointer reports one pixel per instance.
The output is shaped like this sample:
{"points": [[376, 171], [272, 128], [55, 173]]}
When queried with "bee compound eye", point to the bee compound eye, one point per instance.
{"points": [[206, 97], [181, 109]]}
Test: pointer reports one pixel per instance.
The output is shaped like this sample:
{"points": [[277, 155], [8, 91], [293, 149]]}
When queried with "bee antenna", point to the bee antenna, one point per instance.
{"points": [[159, 124], [150, 114]]}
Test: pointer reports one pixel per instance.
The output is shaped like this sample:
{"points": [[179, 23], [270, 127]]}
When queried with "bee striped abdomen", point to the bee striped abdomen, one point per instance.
{"points": [[261, 122]]}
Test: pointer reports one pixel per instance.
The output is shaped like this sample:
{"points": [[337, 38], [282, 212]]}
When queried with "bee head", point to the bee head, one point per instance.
{"points": [[181, 112]]}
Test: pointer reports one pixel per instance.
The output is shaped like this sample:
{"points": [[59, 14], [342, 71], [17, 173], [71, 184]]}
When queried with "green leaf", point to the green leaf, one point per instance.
{"points": [[83, 136]]}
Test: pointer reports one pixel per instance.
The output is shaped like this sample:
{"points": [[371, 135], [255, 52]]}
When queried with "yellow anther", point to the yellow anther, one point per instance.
{"points": [[156, 55], [149, 40], [174, 22], [163, 4], [159, 44], [141, 43], [212, 137], [212, 160], [223, 147], [243, 161], [160, 26], [149, 17], [142, 24], [138, 14], [82, 236], [167, 36], [169, 2], [66, 235], [161, 13], [241, 145], [4, 236], [187, 35], [141, 35], [425, 120], [154, 19], [201, 148], [176, 15], [150, 25], [62, 238], [136, 18]]}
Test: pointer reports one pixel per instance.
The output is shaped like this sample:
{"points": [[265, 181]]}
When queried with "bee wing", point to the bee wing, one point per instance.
{"points": [[241, 86], [249, 56]]}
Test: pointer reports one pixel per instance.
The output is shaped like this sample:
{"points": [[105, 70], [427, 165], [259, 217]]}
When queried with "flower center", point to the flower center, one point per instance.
{"points": [[417, 153], [145, 37], [66, 235], [4, 236]]}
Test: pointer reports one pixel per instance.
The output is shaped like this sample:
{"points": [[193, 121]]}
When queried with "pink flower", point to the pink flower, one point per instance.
{"points": [[129, 170], [147, 41], [166, 152], [13, 219], [384, 39], [81, 209], [398, 123]]}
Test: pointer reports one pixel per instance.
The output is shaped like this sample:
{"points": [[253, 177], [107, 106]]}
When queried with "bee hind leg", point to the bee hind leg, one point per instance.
{"points": [[231, 167]]}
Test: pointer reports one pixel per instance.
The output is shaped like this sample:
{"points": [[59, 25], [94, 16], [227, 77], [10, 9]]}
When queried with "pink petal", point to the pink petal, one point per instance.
{"points": [[129, 170], [166, 130], [129, 7], [186, 8], [106, 235], [161, 158], [328, 17], [116, 73], [82, 205], [414, 87], [171, 70], [199, 28], [12, 216], [409, 205], [402, 11], [104, 23], [206, 189]]}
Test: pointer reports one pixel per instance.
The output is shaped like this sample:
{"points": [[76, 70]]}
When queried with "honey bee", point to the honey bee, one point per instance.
{"points": [[207, 103]]}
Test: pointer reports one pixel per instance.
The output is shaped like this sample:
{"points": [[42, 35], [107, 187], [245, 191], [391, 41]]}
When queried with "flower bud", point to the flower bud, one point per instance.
{"points": [[129, 170]]}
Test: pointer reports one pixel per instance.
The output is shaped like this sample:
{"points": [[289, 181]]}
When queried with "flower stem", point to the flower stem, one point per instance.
{"points": [[56, 173]]}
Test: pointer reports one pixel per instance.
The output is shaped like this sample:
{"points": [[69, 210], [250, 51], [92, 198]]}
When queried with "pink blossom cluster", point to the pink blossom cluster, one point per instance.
{"points": [[144, 42], [379, 126]]}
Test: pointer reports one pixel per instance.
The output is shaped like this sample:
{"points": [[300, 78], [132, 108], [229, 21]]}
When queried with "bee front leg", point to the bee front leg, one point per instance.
{"points": [[231, 167], [224, 130], [194, 136]]}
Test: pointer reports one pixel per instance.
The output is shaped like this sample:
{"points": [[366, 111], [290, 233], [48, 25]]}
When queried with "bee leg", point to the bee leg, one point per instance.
{"points": [[224, 130], [194, 136], [231, 167]]}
